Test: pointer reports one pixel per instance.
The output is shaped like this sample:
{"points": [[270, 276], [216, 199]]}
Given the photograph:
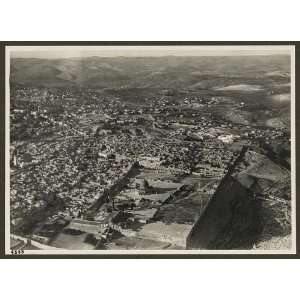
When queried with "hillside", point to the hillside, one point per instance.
{"points": [[261, 82], [250, 208], [152, 72]]}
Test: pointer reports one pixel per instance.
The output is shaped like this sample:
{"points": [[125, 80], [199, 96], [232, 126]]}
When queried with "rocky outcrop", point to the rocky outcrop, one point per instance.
{"points": [[229, 221], [233, 217]]}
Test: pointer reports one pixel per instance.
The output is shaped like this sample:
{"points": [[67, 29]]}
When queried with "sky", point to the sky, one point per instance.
{"points": [[54, 52]]}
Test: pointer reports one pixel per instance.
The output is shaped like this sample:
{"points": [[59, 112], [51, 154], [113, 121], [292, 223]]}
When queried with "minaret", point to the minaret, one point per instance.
{"points": [[15, 158]]}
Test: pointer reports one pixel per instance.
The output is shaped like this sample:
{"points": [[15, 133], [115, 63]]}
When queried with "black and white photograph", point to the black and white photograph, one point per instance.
{"points": [[149, 149]]}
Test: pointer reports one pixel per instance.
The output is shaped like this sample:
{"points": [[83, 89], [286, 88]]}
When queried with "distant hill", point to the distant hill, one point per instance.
{"points": [[150, 72], [262, 82]]}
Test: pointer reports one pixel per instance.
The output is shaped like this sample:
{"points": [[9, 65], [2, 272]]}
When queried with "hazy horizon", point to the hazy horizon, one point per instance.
{"points": [[57, 52]]}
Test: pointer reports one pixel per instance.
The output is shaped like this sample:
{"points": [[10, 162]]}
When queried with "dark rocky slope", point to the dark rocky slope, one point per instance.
{"points": [[250, 205]]}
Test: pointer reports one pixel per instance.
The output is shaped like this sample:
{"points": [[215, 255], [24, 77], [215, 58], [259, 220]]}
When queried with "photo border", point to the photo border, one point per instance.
{"points": [[230, 253]]}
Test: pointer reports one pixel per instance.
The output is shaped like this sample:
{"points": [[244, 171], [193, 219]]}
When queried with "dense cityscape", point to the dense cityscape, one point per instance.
{"points": [[90, 170]]}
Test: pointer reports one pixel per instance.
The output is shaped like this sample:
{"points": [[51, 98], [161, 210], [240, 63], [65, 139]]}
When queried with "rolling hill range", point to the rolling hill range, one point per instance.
{"points": [[242, 74], [262, 82]]}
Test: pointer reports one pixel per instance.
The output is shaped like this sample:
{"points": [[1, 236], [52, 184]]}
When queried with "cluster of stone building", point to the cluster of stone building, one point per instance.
{"points": [[78, 145]]}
